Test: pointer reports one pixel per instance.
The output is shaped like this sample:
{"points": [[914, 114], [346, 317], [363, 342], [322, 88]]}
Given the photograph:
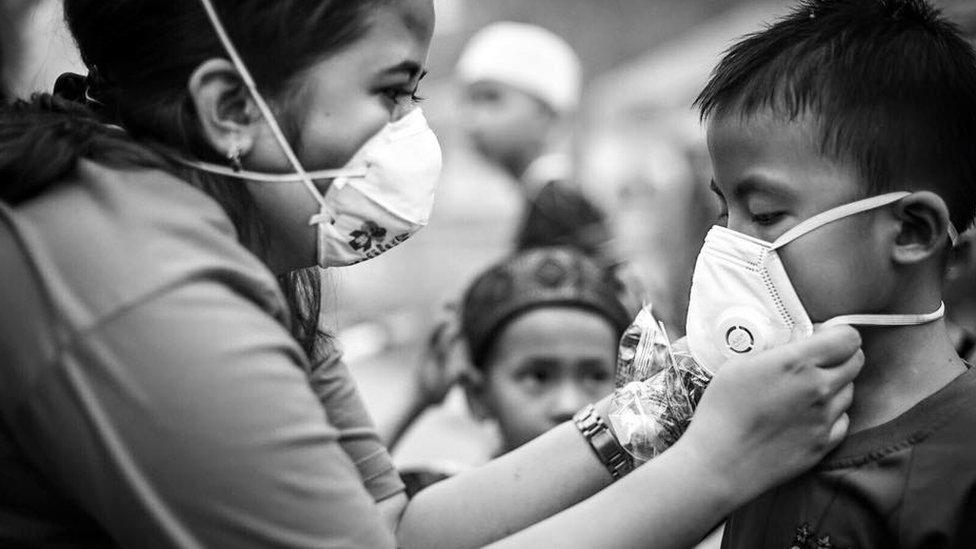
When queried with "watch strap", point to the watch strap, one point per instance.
{"points": [[604, 444]]}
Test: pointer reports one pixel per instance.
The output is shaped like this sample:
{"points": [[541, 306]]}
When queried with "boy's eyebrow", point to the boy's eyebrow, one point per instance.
{"points": [[759, 184]]}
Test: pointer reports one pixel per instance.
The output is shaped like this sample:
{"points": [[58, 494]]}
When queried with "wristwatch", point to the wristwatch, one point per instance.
{"points": [[610, 453]]}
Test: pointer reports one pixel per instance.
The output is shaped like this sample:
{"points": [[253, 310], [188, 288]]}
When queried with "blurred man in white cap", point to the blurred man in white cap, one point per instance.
{"points": [[521, 88]]}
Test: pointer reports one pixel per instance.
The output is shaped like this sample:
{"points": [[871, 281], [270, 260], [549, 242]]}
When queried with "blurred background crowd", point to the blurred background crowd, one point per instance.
{"points": [[636, 149]]}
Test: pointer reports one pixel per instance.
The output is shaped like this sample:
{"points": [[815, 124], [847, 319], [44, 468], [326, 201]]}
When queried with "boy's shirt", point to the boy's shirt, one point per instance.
{"points": [[909, 483]]}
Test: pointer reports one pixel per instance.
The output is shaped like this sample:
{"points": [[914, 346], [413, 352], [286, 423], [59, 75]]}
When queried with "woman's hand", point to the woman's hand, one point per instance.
{"points": [[762, 420], [770, 417]]}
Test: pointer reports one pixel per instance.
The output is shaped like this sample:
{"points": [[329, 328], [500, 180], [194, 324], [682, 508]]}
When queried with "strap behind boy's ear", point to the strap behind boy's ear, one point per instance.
{"points": [[835, 214], [887, 320]]}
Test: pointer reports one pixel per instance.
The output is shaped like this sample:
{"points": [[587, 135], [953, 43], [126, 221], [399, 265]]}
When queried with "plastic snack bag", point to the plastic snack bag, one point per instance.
{"points": [[658, 388], [643, 349]]}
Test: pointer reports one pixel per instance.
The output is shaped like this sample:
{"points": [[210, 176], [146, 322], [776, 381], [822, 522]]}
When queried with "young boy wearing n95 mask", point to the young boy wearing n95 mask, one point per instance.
{"points": [[843, 140]]}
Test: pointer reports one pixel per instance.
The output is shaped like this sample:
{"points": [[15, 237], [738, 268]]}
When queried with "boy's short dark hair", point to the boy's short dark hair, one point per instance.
{"points": [[891, 84]]}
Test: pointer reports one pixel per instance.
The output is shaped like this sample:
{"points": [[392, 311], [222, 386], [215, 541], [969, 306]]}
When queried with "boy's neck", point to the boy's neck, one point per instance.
{"points": [[903, 366]]}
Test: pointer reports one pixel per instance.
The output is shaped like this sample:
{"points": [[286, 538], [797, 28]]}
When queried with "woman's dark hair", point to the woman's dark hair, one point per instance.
{"points": [[303, 292], [140, 55]]}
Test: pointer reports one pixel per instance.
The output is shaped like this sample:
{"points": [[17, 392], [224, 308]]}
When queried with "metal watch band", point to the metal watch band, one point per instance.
{"points": [[613, 456]]}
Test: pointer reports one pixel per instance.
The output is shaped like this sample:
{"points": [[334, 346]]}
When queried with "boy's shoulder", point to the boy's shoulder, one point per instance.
{"points": [[901, 484], [946, 419], [932, 426]]}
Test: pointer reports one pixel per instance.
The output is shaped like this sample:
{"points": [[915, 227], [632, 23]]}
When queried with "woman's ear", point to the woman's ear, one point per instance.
{"points": [[924, 228], [225, 111], [475, 391]]}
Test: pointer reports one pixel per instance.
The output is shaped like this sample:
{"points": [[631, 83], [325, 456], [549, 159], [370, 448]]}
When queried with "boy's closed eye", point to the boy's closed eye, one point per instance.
{"points": [[762, 209], [765, 211]]}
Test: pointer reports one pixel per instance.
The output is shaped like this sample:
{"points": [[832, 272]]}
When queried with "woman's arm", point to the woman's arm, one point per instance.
{"points": [[337, 392], [761, 421], [187, 420]]}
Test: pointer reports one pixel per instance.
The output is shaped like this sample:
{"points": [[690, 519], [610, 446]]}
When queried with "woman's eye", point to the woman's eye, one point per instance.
{"points": [[401, 95], [767, 219]]}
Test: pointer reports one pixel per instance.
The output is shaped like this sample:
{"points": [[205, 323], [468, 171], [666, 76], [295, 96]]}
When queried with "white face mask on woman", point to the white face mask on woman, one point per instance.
{"points": [[742, 301], [380, 198]]}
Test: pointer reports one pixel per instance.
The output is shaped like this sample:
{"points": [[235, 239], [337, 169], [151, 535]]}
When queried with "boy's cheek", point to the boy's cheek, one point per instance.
{"points": [[844, 280]]}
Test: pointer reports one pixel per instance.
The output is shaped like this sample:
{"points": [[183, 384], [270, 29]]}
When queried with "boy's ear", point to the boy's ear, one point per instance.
{"points": [[924, 228], [227, 114], [475, 390]]}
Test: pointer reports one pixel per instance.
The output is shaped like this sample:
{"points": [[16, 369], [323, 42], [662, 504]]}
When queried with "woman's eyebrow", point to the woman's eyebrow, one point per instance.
{"points": [[412, 68], [714, 188]]}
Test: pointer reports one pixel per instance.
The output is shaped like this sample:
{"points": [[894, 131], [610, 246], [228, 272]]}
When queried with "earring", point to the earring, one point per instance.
{"points": [[234, 156]]}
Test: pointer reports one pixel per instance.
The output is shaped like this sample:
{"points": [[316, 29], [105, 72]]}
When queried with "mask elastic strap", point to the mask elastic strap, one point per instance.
{"points": [[835, 214], [887, 320], [262, 177], [953, 235], [262, 106], [846, 210]]}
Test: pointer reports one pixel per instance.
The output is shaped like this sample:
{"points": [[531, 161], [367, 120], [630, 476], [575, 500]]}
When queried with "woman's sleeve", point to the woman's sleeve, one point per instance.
{"points": [[187, 421], [337, 391]]}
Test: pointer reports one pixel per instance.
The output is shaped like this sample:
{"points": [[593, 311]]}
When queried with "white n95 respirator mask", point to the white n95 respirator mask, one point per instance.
{"points": [[742, 301], [381, 197]]}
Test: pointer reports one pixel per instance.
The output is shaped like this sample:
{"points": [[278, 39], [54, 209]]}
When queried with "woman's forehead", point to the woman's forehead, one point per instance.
{"points": [[405, 21], [398, 35]]}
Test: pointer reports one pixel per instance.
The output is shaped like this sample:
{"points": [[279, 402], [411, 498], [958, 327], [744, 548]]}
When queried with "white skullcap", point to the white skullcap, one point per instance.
{"points": [[527, 57]]}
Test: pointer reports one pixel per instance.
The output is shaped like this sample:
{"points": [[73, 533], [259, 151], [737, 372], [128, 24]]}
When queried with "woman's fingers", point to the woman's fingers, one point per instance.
{"points": [[838, 432], [833, 356], [770, 416], [838, 377], [826, 348], [840, 403]]}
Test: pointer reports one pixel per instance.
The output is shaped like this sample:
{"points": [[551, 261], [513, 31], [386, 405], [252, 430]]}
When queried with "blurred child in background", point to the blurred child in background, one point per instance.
{"points": [[541, 329]]}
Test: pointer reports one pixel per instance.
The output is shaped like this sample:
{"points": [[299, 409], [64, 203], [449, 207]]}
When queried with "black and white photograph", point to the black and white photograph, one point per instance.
{"points": [[449, 274]]}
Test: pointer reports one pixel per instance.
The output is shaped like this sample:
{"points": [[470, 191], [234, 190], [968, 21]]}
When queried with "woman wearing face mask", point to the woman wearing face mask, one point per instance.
{"points": [[151, 392]]}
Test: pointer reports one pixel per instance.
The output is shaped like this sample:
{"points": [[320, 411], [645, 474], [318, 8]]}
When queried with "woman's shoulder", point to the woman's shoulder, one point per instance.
{"points": [[106, 238]]}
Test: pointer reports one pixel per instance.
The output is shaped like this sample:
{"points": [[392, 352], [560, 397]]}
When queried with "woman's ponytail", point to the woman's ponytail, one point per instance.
{"points": [[41, 141]]}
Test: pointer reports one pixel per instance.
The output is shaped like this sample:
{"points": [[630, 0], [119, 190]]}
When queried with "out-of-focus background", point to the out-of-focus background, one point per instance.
{"points": [[638, 145]]}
